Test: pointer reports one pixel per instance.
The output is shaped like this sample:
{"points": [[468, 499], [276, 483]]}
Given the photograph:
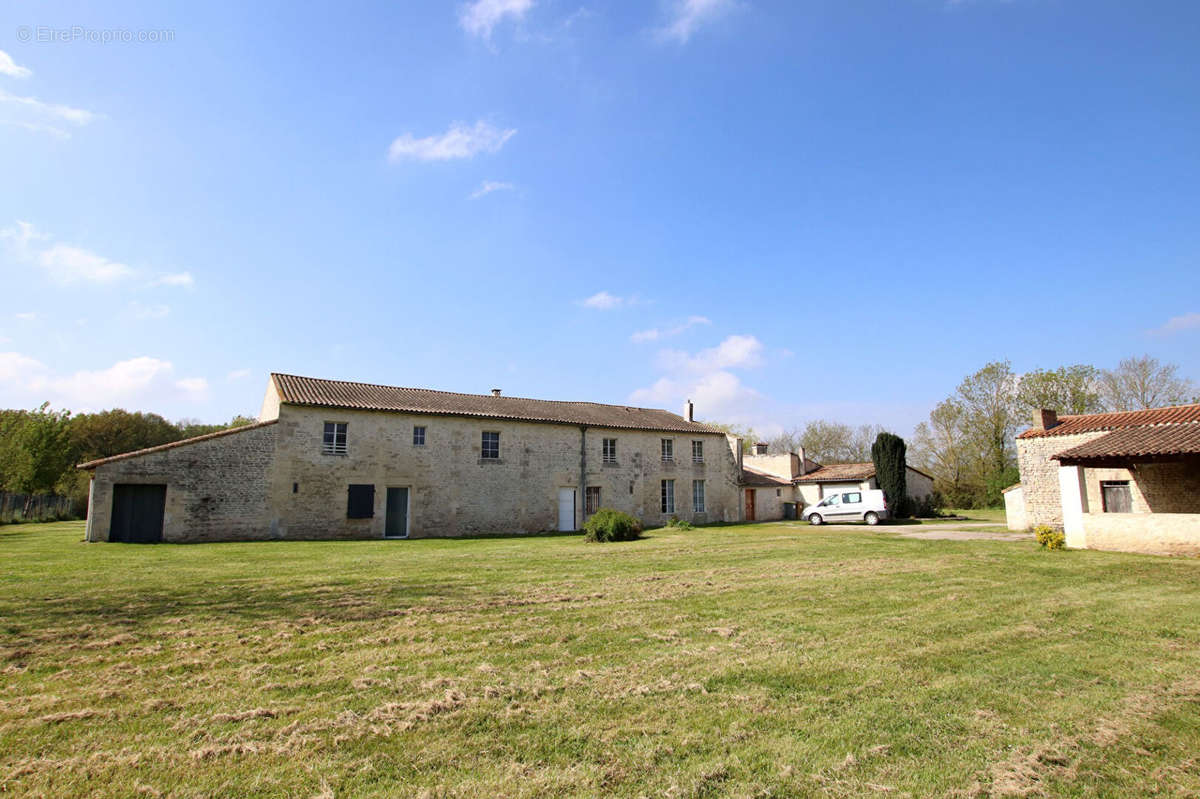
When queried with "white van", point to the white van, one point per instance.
{"points": [[849, 506]]}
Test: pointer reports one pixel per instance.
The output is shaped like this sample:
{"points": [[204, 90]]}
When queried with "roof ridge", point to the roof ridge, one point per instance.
{"points": [[466, 394]]}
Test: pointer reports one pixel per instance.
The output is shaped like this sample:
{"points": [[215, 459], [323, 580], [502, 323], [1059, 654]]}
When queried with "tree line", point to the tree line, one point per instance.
{"points": [[969, 442], [39, 449]]}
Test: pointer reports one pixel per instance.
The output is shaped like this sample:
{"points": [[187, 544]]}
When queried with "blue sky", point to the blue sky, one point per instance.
{"points": [[783, 210]]}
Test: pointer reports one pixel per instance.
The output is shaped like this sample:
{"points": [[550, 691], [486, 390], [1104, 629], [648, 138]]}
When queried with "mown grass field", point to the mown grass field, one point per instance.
{"points": [[752, 661]]}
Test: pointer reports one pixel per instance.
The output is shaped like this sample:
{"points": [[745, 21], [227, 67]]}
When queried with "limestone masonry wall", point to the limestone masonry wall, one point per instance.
{"points": [[1039, 475]]}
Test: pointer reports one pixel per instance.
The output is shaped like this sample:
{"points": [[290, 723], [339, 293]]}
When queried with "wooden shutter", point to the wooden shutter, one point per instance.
{"points": [[360, 502]]}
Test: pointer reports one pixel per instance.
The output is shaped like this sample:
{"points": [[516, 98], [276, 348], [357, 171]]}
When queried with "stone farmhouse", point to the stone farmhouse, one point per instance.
{"points": [[784, 484], [1120, 481], [334, 459]]}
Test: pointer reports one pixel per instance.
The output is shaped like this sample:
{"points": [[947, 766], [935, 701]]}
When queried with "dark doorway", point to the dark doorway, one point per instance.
{"points": [[137, 513], [749, 504], [396, 525]]}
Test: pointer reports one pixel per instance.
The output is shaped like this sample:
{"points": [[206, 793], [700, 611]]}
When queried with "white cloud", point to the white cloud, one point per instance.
{"points": [[460, 141], [656, 333], [706, 379], [237, 374], [135, 383], [1177, 324], [37, 127], [735, 352], [480, 17], [66, 264], [688, 15], [76, 116], [181, 279], [603, 301], [140, 311], [26, 316], [489, 186], [11, 68]]}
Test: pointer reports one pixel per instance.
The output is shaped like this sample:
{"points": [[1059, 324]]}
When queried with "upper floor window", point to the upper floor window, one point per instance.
{"points": [[334, 441], [610, 450], [418, 436], [491, 446], [697, 452], [668, 450]]}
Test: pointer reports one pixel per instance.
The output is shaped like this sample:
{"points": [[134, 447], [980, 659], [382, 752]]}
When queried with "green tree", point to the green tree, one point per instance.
{"points": [[1145, 382], [992, 416], [112, 432], [1067, 389], [942, 448], [888, 455], [35, 449]]}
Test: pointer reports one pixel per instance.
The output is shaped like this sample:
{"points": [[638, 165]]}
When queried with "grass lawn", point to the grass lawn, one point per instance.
{"points": [[750, 661]]}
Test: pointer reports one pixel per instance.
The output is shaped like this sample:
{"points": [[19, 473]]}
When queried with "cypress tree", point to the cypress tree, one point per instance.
{"points": [[888, 455]]}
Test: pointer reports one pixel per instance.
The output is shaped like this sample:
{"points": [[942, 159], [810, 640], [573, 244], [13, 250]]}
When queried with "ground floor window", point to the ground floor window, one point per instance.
{"points": [[698, 496], [1116, 495], [592, 500], [668, 496]]}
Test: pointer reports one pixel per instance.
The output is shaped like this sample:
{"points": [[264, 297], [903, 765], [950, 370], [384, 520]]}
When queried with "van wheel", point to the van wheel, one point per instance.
{"points": [[872, 518], [815, 520]]}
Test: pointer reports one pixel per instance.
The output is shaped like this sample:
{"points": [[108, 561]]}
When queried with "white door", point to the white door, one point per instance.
{"points": [[566, 510]]}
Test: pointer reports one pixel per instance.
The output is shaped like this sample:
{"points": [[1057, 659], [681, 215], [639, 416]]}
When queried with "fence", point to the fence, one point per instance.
{"points": [[34, 507]]}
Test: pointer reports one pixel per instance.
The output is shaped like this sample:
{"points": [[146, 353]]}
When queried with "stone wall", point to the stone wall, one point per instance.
{"points": [[1039, 475], [218, 489], [454, 492], [1151, 533]]}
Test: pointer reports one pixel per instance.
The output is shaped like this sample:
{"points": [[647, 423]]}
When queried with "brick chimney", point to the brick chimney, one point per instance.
{"points": [[759, 449], [495, 392], [1045, 418], [689, 411], [803, 460]]}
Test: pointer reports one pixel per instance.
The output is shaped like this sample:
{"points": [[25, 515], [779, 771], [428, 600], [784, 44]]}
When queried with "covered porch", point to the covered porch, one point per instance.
{"points": [[1135, 490]]}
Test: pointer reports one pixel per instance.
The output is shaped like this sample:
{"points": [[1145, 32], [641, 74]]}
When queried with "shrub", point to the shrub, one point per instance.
{"points": [[675, 523], [1049, 538], [607, 524], [927, 507]]}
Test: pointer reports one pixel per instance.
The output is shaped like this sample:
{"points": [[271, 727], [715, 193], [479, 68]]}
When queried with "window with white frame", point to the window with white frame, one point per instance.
{"points": [[668, 496], [610, 450], [697, 452], [418, 436], [490, 450], [334, 440], [698, 496], [668, 450]]}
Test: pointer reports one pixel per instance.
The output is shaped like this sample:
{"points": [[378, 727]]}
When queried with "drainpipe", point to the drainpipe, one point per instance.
{"points": [[582, 498]]}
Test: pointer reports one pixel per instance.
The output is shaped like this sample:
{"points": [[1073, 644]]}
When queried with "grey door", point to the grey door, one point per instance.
{"points": [[137, 513], [396, 525]]}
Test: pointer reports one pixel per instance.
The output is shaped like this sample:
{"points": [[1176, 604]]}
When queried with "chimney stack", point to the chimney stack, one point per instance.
{"points": [[802, 462], [760, 449], [495, 392], [689, 411], [1045, 418]]}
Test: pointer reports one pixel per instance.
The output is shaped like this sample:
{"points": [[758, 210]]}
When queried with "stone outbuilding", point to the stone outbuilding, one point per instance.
{"points": [[330, 459], [1121, 481]]}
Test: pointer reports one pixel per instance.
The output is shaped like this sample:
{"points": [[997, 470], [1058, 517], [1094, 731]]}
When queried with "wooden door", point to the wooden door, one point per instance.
{"points": [[749, 504], [137, 513]]}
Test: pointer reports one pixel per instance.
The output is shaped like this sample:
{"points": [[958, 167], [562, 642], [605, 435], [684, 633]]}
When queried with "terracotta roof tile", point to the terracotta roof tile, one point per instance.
{"points": [[839, 472], [1132, 442], [1094, 422], [317, 392], [172, 445], [755, 478]]}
